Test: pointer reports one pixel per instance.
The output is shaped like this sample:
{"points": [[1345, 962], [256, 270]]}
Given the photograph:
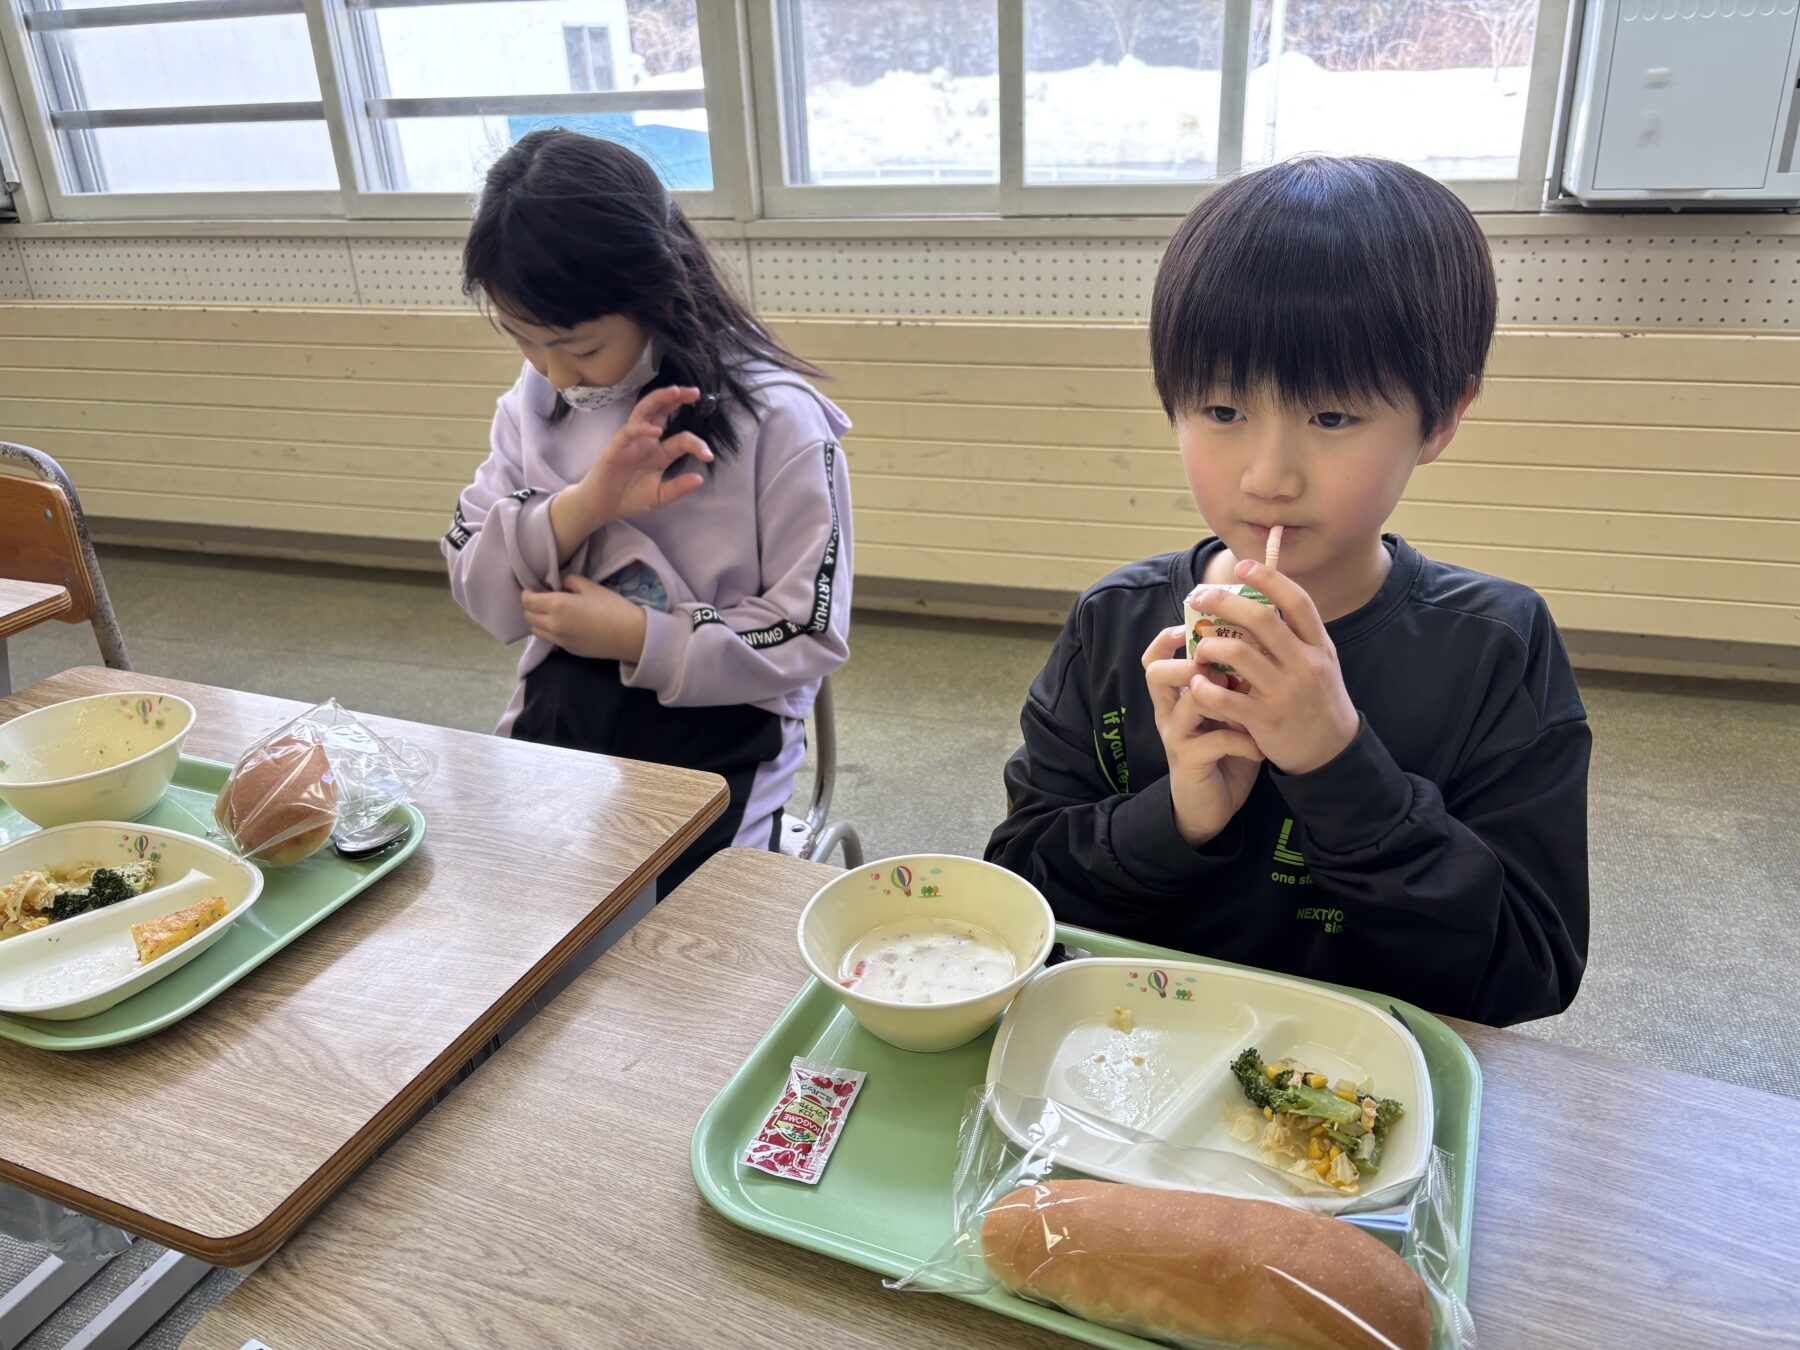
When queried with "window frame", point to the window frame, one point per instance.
{"points": [[16, 35], [1012, 196], [749, 125], [336, 28]]}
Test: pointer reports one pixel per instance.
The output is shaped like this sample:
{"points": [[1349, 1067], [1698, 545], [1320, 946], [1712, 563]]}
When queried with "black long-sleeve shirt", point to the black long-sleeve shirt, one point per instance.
{"points": [[1441, 857]]}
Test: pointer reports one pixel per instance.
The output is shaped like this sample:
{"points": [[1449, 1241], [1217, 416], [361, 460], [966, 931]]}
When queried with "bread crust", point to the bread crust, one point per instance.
{"points": [[280, 803], [1189, 1267]]}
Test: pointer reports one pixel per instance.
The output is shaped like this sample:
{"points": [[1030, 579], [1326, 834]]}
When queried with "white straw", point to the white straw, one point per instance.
{"points": [[1272, 553]]}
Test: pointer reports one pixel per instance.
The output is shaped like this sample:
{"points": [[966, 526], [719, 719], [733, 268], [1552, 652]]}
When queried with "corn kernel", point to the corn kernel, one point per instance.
{"points": [[1346, 1095], [1315, 1080], [1318, 1130], [1313, 1151], [1268, 1113], [1335, 1151], [1273, 1071]]}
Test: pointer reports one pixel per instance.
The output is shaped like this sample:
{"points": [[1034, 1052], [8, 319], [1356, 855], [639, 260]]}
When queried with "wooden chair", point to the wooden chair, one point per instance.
{"points": [[813, 838], [44, 538]]}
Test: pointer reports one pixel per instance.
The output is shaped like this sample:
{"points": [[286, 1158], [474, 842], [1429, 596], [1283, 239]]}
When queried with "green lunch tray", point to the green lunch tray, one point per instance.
{"points": [[884, 1201], [293, 900]]}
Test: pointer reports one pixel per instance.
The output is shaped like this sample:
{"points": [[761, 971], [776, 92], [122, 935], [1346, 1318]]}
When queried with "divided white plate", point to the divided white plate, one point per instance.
{"points": [[1170, 1075], [84, 965]]}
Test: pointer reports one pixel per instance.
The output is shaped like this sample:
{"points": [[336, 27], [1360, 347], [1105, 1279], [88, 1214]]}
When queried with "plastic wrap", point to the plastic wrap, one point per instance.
{"points": [[1186, 1267], [62, 1232], [323, 771]]}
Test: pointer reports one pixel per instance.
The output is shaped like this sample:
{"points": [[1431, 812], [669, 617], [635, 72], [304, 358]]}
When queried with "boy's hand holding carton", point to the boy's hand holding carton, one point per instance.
{"points": [[1295, 707], [1211, 767], [1270, 689]]}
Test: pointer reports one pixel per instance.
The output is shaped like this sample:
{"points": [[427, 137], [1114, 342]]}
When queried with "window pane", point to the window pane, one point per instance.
{"points": [[534, 47], [1119, 91], [1438, 84], [902, 92], [263, 60], [240, 156], [205, 63], [450, 154]]}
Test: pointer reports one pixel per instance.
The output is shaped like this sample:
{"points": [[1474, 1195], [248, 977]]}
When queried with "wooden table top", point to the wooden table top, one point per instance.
{"points": [[1616, 1204], [222, 1134], [25, 604]]}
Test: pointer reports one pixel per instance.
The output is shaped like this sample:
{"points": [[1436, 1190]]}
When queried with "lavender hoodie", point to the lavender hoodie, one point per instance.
{"points": [[756, 564]]}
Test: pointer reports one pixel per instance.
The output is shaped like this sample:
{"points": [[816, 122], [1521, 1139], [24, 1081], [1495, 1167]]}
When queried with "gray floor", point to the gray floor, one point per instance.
{"points": [[1695, 939]]}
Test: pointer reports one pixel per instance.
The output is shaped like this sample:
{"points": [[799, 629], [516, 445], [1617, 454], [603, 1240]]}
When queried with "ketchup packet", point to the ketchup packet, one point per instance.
{"points": [[800, 1132]]}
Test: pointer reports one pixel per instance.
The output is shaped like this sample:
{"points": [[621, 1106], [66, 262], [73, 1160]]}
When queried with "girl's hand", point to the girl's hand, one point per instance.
{"points": [[1211, 767], [586, 619], [627, 480], [1296, 708]]}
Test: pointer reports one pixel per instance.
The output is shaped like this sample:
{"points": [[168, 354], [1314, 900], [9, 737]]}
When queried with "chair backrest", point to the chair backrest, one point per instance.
{"points": [[40, 540], [824, 757]]}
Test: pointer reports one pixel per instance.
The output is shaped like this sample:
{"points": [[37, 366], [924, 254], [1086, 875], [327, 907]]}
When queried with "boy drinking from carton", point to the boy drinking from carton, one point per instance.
{"points": [[1390, 789]]}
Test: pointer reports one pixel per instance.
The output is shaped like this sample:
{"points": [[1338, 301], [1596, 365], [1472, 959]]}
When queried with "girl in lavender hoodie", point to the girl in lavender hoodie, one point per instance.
{"points": [[665, 514]]}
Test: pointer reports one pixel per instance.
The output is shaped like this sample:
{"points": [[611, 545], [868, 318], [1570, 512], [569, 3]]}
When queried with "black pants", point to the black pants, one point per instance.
{"points": [[581, 704]]}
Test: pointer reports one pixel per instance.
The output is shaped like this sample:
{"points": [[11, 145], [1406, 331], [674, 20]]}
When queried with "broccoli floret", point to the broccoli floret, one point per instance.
{"points": [[1253, 1076], [106, 887], [1387, 1111], [1281, 1094]]}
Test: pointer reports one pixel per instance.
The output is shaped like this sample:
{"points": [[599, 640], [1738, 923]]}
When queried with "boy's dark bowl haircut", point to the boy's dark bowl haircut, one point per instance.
{"points": [[1334, 282]]}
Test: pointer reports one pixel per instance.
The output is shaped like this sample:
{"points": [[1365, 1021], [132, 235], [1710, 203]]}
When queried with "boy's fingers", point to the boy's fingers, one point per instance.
{"points": [[1164, 646], [1227, 743], [1221, 704], [1290, 598], [576, 584], [1246, 658], [1260, 621], [1167, 680]]}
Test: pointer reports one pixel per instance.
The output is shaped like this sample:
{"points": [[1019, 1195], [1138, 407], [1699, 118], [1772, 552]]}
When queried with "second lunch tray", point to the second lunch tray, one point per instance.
{"points": [[293, 900], [884, 1202]]}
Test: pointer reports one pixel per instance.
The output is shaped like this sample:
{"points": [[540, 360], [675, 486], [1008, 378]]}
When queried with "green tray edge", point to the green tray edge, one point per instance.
{"points": [[1460, 1067], [812, 1000], [205, 775]]}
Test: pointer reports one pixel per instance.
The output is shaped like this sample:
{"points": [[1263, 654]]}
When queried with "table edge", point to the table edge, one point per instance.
{"points": [[262, 1240], [24, 620]]}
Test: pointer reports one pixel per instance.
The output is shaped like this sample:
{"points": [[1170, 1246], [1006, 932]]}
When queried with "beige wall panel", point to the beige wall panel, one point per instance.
{"points": [[1645, 482]]}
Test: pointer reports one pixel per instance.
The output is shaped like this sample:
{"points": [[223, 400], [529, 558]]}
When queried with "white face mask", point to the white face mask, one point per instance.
{"points": [[590, 397]]}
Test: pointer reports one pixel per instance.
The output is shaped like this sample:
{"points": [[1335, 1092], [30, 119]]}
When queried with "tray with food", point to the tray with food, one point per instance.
{"points": [[1135, 1090], [50, 973], [91, 915]]}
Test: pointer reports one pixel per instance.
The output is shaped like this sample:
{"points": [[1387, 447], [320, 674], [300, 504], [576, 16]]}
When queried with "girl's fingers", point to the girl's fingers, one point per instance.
{"points": [[658, 406], [685, 443], [674, 489]]}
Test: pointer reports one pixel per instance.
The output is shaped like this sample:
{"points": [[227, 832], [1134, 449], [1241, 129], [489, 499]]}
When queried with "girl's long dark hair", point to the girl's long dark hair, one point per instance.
{"points": [[570, 228]]}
